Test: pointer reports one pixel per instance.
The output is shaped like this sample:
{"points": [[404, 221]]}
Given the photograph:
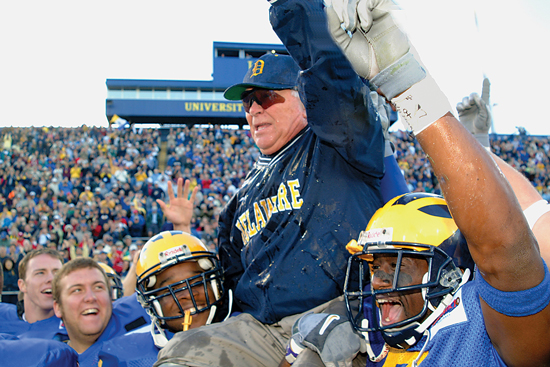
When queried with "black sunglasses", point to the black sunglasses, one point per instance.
{"points": [[265, 98]]}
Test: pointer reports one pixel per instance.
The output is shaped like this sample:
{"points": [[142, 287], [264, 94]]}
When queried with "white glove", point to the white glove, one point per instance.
{"points": [[380, 52], [474, 114], [346, 11], [375, 46]]}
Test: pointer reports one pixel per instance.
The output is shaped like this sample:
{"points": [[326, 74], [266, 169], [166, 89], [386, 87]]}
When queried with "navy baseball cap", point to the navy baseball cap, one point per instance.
{"points": [[271, 71]]}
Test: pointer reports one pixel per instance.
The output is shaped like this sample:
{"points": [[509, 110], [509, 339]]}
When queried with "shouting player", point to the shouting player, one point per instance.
{"points": [[418, 299]]}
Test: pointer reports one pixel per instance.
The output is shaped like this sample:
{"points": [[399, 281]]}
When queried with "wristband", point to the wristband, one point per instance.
{"points": [[535, 211], [399, 76], [517, 304], [422, 104], [292, 351]]}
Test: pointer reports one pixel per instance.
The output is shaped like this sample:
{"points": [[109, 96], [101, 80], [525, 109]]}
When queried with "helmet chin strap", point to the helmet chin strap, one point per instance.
{"points": [[372, 356], [422, 327], [425, 279], [158, 334]]}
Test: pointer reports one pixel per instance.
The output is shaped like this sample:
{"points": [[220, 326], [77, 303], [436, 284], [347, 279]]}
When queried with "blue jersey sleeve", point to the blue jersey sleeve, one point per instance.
{"points": [[393, 183], [228, 252], [36, 352]]}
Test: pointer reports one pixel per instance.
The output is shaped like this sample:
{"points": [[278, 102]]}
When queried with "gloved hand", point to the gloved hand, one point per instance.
{"points": [[375, 46], [330, 335], [380, 52], [346, 10], [474, 114]]}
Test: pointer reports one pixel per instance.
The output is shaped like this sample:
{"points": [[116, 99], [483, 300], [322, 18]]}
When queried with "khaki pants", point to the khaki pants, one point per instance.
{"points": [[240, 341]]}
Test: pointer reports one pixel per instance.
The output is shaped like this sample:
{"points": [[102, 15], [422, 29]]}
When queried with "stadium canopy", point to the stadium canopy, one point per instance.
{"points": [[190, 102]]}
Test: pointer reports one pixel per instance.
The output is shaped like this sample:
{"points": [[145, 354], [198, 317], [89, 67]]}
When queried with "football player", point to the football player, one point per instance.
{"points": [[115, 282], [420, 301], [180, 285], [34, 315], [82, 299]]}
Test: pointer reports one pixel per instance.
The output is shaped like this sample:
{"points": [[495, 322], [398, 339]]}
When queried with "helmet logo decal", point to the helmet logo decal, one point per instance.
{"points": [[258, 68], [164, 256], [437, 210], [405, 199], [376, 235]]}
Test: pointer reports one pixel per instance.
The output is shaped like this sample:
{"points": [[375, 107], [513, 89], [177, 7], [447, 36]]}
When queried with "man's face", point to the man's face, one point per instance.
{"points": [[37, 285], [398, 306], [273, 127], [85, 305], [169, 307]]}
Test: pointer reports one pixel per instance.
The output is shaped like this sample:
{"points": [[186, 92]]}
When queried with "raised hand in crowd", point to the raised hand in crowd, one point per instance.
{"points": [[474, 113], [179, 209]]}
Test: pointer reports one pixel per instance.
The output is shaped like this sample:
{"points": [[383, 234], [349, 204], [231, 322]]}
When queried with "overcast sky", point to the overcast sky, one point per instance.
{"points": [[56, 55]]}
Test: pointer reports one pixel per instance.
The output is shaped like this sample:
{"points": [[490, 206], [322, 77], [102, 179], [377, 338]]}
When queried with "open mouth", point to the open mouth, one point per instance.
{"points": [[261, 126], [391, 311], [90, 311], [47, 291]]}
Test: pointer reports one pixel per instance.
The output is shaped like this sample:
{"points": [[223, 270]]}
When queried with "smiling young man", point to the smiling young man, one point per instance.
{"points": [[36, 272], [82, 299], [34, 315]]}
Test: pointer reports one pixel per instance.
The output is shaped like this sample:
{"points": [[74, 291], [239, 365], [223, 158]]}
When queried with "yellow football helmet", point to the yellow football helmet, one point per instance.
{"points": [[419, 225], [116, 283], [167, 249]]}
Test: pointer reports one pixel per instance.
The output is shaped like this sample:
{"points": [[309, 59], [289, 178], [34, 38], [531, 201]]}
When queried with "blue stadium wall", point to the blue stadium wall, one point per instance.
{"points": [[188, 101]]}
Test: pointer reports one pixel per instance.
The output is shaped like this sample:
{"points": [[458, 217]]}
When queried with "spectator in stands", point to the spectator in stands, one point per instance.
{"points": [[154, 220], [16, 252], [157, 193], [136, 225], [11, 277], [3, 253], [103, 256]]}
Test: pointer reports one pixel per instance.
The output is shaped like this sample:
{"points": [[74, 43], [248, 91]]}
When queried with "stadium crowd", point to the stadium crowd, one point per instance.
{"points": [[91, 191]]}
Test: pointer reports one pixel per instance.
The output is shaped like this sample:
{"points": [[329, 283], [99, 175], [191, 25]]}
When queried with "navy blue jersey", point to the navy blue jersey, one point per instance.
{"points": [[283, 234]]}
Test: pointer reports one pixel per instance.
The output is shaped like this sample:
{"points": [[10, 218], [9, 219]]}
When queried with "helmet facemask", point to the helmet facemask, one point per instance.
{"points": [[209, 282], [411, 226], [164, 282], [442, 278], [115, 285]]}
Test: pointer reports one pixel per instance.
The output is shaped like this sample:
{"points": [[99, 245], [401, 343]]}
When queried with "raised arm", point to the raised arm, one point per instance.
{"points": [[487, 212], [481, 200], [475, 115], [179, 210], [535, 208]]}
